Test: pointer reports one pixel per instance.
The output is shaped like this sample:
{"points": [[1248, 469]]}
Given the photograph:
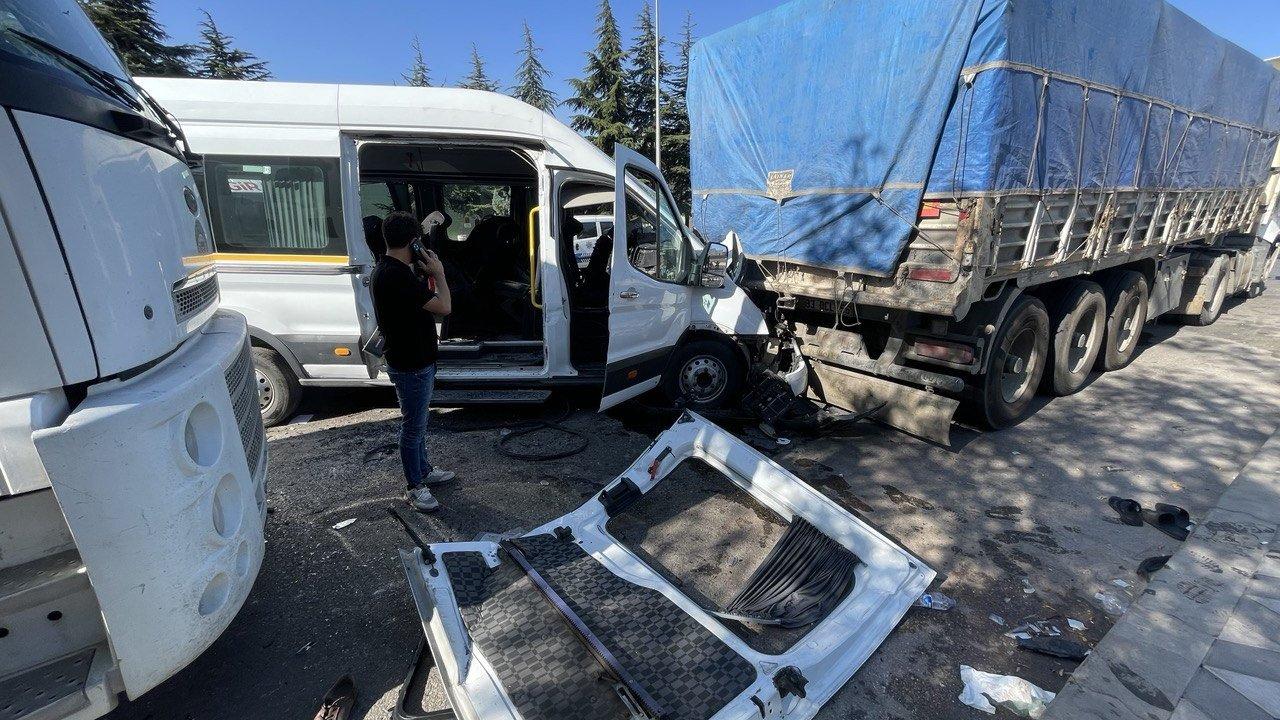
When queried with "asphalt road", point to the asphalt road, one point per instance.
{"points": [[1016, 523]]}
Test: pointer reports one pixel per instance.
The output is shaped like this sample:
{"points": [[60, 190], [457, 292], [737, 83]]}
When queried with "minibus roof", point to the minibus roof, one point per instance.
{"points": [[237, 117]]}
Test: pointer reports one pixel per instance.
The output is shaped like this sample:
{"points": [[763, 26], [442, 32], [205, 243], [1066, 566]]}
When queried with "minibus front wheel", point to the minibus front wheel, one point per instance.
{"points": [[704, 374], [278, 389]]}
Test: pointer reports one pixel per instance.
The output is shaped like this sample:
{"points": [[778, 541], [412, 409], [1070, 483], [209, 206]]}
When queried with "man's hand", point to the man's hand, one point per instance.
{"points": [[430, 265]]}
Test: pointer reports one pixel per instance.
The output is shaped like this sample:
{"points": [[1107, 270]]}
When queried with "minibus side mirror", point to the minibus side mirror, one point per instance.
{"points": [[715, 265]]}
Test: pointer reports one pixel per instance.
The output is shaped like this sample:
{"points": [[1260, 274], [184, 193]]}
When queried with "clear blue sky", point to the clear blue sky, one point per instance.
{"points": [[368, 42]]}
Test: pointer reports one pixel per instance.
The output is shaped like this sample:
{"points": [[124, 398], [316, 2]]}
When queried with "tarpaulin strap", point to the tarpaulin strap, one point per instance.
{"points": [[1142, 146], [1035, 144]]}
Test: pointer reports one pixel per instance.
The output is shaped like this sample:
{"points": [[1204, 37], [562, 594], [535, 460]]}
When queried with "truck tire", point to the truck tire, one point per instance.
{"points": [[704, 375], [1127, 294], [278, 389], [1014, 365], [1212, 309], [1078, 318]]}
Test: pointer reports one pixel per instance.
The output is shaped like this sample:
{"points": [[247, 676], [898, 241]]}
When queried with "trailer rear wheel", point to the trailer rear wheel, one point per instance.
{"points": [[1212, 309], [1079, 323], [1127, 295], [1015, 365]]}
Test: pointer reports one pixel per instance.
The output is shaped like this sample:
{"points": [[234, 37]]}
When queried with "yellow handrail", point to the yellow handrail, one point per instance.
{"points": [[533, 258]]}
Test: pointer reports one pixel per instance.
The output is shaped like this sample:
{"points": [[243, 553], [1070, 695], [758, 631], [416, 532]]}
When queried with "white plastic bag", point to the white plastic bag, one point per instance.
{"points": [[1013, 693]]}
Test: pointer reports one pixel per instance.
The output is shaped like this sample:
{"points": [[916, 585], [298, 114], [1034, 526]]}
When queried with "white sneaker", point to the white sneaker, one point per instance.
{"points": [[437, 477], [422, 500]]}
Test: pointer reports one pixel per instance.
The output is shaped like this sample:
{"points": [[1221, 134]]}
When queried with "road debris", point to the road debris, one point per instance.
{"points": [[1120, 583], [1148, 567], [339, 701], [1170, 520], [983, 691], [1035, 628], [1075, 624], [1055, 646], [1110, 604], [345, 523], [936, 601], [996, 619], [1129, 510]]}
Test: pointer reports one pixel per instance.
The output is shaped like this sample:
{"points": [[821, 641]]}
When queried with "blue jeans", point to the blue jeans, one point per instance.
{"points": [[413, 392]]}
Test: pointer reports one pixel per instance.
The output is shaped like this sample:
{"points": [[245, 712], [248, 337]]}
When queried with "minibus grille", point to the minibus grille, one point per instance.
{"points": [[189, 300], [244, 400]]}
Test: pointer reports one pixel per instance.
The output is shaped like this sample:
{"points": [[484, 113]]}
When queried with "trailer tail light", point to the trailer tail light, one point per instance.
{"points": [[932, 274], [944, 351], [931, 211]]}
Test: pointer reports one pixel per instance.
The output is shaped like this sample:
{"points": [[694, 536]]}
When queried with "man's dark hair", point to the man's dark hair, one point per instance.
{"points": [[399, 229]]}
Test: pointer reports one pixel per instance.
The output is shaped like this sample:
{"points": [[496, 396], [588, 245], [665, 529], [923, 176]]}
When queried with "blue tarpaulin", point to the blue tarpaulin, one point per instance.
{"points": [[818, 127]]}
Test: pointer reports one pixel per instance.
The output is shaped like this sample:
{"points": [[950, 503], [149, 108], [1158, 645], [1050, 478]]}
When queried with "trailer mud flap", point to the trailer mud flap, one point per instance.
{"points": [[583, 618], [923, 414]]}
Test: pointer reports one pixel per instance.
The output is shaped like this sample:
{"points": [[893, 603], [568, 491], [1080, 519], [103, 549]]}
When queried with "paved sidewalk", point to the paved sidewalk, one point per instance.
{"points": [[1203, 641]]}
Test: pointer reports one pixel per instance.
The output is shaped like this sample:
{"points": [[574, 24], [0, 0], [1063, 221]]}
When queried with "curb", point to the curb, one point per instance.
{"points": [[1144, 665]]}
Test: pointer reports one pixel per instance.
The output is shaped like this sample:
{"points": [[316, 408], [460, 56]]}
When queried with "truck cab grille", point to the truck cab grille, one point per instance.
{"points": [[189, 298], [244, 400]]}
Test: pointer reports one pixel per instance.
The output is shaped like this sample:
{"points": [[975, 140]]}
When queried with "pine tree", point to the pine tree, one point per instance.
{"points": [[478, 79], [218, 58], [599, 97], [640, 85], [130, 26], [675, 121], [531, 76], [419, 74]]}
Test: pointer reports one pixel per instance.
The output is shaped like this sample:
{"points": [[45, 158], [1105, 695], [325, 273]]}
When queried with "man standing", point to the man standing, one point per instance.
{"points": [[405, 306]]}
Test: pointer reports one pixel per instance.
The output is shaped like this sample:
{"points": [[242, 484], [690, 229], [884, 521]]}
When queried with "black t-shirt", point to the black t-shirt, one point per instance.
{"points": [[409, 329]]}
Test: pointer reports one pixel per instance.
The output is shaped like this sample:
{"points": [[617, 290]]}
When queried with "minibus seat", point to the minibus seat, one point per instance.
{"points": [[373, 236], [595, 276]]}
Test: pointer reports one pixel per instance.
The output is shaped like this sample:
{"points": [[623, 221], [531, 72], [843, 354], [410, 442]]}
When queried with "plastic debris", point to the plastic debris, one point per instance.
{"points": [[1113, 468], [1034, 628], [996, 619], [1055, 646], [345, 523], [936, 601], [1149, 566], [1111, 604], [983, 691], [783, 441], [1120, 583], [1075, 624]]}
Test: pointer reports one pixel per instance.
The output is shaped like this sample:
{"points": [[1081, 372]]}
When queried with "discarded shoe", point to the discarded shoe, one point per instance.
{"points": [[1172, 520], [1149, 566], [339, 701], [1130, 511]]}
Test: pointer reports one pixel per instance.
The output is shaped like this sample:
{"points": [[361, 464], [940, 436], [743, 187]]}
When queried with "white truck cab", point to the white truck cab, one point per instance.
{"points": [[298, 177], [132, 456]]}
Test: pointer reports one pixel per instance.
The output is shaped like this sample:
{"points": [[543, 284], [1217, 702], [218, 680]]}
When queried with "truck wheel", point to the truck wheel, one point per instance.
{"points": [[1015, 365], [1127, 295], [1212, 309], [1079, 323], [278, 388], [705, 374]]}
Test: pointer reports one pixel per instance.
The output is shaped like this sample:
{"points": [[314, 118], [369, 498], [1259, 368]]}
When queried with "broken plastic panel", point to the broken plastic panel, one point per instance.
{"points": [[601, 613]]}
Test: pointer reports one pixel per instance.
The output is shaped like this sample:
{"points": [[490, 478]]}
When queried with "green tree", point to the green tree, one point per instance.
{"points": [[131, 28], [419, 74], [599, 97], [675, 121], [217, 58], [641, 84], [478, 79], [531, 76]]}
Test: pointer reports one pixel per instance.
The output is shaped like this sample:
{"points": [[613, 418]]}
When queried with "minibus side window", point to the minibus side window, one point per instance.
{"points": [[275, 205], [656, 243]]}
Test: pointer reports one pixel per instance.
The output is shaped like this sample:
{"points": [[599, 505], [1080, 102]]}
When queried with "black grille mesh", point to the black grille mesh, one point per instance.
{"points": [[190, 300], [244, 399]]}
